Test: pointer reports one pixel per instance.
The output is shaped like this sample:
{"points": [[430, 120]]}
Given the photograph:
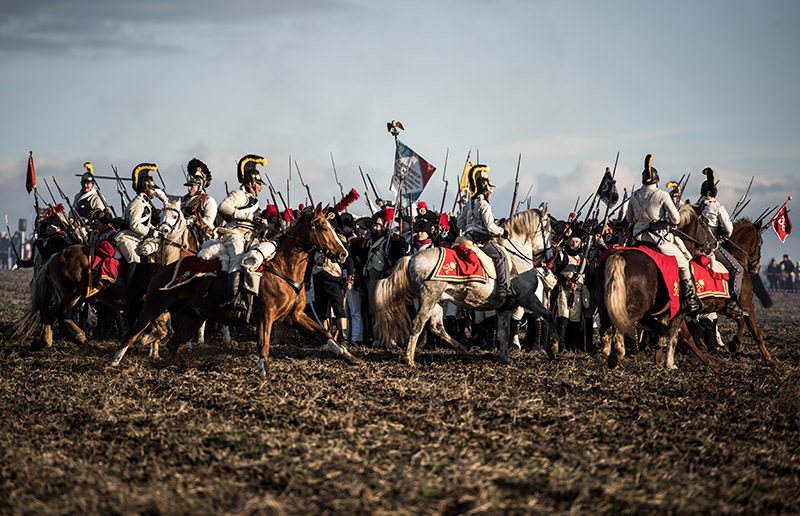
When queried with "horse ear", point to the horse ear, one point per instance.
{"points": [[544, 210], [318, 209]]}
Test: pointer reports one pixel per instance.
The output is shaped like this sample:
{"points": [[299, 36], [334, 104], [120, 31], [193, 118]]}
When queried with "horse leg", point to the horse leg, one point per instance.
{"points": [[302, 321], [529, 300], [503, 331], [158, 331], [137, 328], [428, 299], [756, 333], [226, 337], [47, 334], [436, 324], [264, 331], [201, 337], [687, 336], [184, 324], [670, 340], [616, 354]]}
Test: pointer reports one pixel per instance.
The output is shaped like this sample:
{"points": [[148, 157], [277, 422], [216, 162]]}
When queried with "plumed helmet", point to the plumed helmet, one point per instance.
{"points": [[141, 177], [479, 180], [198, 173], [88, 176], [246, 171], [674, 188], [709, 186], [649, 174]]}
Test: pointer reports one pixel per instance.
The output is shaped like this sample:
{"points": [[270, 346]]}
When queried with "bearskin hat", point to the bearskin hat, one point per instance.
{"points": [[649, 174], [198, 174], [709, 186], [141, 176], [385, 215], [246, 171]]}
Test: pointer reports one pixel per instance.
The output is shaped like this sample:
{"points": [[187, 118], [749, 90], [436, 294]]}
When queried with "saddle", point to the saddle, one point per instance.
{"points": [[486, 261], [104, 266]]}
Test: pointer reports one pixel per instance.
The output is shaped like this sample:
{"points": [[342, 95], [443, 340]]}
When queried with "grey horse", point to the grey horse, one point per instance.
{"points": [[529, 237]]}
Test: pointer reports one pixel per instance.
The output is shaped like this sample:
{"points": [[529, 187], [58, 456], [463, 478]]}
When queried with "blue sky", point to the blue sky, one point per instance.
{"points": [[565, 83]]}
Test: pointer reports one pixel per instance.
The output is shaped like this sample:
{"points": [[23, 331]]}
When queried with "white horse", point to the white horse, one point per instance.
{"points": [[529, 237]]}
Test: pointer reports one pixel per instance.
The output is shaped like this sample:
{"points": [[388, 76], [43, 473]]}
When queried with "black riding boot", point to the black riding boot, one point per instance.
{"points": [[235, 300], [561, 327], [129, 274], [689, 300]]}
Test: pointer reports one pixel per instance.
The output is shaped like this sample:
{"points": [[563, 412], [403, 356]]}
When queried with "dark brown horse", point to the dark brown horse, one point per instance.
{"points": [[634, 293], [63, 283], [745, 245], [281, 294]]}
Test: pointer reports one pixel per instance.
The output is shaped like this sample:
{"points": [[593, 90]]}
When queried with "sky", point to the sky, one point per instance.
{"points": [[563, 84]]}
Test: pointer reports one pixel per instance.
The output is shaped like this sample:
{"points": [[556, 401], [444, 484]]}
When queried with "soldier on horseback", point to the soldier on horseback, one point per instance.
{"points": [[88, 199], [241, 212], [477, 223], [139, 217], [719, 222], [652, 211], [197, 205]]}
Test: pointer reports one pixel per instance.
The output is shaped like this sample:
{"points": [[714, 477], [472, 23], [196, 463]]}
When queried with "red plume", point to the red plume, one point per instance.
{"points": [[346, 201], [387, 214], [444, 221], [270, 211]]}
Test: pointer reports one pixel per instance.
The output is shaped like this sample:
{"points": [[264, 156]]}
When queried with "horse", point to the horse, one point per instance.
{"points": [[745, 245], [633, 292], [280, 297], [529, 237], [63, 281]]}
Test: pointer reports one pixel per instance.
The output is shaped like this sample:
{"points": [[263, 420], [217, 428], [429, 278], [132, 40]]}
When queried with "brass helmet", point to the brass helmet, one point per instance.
{"points": [[88, 176], [479, 180], [246, 171], [142, 180], [709, 187], [198, 174], [649, 174]]}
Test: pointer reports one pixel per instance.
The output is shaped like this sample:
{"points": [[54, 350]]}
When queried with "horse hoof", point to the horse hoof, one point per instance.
{"points": [[552, 350], [613, 361], [352, 359]]}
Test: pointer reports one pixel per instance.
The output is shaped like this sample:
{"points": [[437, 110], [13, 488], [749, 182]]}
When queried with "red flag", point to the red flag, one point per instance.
{"points": [[781, 224], [30, 182]]}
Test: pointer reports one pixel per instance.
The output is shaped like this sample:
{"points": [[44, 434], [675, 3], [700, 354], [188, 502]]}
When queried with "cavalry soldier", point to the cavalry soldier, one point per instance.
{"points": [[88, 199], [241, 213], [652, 211], [719, 222], [197, 205], [477, 223], [139, 217]]}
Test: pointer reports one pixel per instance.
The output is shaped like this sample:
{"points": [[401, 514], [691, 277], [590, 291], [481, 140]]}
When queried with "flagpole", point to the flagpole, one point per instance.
{"points": [[768, 224]]}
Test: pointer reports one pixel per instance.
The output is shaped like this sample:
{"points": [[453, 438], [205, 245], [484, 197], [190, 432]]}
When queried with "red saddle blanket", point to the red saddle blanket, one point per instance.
{"points": [[105, 268], [459, 263], [189, 268], [708, 282]]}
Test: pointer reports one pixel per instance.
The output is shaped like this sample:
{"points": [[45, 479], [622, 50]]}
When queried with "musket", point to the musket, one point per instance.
{"points": [[336, 176], [77, 215], [121, 187], [53, 197], [108, 177], [366, 191], [743, 207], [446, 183], [682, 186], [273, 191], [163, 184], [572, 217], [527, 199], [516, 187], [11, 240], [308, 190], [185, 175], [739, 206], [288, 183], [763, 213], [374, 190], [227, 192], [620, 205]]}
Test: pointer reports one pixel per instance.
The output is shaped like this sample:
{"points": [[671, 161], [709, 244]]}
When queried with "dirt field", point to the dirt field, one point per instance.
{"points": [[453, 436]]}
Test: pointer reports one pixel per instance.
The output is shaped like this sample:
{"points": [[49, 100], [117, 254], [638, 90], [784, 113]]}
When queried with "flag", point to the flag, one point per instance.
{"points": [[411, 172], [607, 192], [30, 181], [781, 224], [463, 186]]}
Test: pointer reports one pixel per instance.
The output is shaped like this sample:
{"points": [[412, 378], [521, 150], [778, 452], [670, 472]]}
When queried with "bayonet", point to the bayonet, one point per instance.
{"points": [[121, 184], [308, 190], [516, 187], [738, 208], [366, 191], [374, 190], [336, 176]]}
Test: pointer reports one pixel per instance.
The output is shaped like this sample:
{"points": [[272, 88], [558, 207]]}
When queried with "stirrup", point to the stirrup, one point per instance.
{"points": [[733, 310]]}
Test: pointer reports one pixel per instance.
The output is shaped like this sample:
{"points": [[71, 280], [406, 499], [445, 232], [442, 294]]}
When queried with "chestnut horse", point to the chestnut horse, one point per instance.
{"points": [[745, 245], [633, 292], [281, 294]]}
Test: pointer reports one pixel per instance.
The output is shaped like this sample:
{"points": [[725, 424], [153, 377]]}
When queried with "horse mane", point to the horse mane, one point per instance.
{"points": [[522, 222], [687, 213]]}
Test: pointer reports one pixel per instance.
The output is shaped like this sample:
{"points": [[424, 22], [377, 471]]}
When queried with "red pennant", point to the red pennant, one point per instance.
{"points": [[781, 224], [30, 181]]}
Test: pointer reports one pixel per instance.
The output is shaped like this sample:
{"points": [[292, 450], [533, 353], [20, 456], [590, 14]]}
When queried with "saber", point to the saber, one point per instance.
{"points": [[739, 207], [308, 190], [366, 191]]}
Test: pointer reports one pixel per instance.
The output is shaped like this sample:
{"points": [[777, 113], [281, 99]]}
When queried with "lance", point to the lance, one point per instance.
{"points": [[776, 214], [516, 188], [288, 183], [308, 190], [366, 191], [378, 199], [72, 229], [11, 240], [763, 214], [739, 207], [336, 176]]}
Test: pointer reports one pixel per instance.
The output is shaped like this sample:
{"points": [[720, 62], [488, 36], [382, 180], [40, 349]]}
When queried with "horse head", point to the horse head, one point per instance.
{"points": [[316, 229], [172, 223], [746, 236], [694, 231], [533, 226]]}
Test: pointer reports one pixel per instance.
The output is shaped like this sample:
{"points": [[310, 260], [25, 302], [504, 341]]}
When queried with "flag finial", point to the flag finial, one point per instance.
{"points": [[394, 127]]}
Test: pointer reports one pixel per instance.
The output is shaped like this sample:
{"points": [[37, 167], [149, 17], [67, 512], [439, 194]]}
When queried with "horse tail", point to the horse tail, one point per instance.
{"points": [[42, 301], [392, 297], [615, 295], [760, 292]]}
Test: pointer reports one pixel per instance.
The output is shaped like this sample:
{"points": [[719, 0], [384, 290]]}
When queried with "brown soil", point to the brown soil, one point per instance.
{"points": [[455, 435]]}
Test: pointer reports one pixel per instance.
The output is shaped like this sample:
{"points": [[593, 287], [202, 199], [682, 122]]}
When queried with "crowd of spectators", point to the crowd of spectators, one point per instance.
{"points": [[783, 275]]}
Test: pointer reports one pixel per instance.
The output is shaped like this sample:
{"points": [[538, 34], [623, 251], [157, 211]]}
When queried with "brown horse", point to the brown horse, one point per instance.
{"points": [[633, 292], [745, 245], [281, 294], [62, 284]]}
